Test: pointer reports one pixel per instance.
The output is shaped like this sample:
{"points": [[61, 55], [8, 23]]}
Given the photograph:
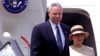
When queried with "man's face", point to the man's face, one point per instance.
{"points": [[55, 14]]}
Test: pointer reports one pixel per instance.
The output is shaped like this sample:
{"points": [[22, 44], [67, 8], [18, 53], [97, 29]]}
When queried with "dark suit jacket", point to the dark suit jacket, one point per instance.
{"points": [[43, 42]]}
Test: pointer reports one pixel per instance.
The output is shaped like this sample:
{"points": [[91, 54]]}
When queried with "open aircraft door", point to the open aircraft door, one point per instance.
{"points": [[73, 16]]}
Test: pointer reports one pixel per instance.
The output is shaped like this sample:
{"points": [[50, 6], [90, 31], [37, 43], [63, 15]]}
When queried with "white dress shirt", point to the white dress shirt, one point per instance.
{"points": [[61, 32]]}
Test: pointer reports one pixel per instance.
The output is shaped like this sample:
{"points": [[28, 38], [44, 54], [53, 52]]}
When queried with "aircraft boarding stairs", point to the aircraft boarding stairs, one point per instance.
{"points": [[10, 48]]}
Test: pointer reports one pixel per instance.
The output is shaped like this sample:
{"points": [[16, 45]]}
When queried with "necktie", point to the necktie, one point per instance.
{"points": [[59, 41]]}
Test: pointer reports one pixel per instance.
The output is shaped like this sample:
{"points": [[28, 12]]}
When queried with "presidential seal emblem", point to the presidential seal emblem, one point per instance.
{"points": [[15, 6]]}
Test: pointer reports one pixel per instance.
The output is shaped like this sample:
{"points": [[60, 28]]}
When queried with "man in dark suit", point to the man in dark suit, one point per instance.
{"points": [[45, 41]]}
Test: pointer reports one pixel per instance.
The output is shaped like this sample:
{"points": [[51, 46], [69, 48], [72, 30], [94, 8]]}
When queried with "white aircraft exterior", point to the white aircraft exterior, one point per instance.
{"points": [[21, 24]]}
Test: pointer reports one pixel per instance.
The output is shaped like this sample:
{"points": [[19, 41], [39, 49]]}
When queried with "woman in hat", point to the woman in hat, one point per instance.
{"points": [[77, 48]]}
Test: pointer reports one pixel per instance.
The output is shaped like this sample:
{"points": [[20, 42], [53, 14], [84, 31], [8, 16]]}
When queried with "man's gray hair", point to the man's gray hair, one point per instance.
{"points": [[54, 5]]}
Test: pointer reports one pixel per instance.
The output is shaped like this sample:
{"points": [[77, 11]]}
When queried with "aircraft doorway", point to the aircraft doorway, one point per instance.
{"points": [[73, 16]]}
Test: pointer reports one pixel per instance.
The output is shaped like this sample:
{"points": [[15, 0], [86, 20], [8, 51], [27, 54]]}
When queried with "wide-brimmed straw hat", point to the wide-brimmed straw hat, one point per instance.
{"points": [[77, 29]]}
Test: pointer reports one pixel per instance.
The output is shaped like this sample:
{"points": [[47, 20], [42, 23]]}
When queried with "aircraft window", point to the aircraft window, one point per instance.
{"points": [[73, 16]]}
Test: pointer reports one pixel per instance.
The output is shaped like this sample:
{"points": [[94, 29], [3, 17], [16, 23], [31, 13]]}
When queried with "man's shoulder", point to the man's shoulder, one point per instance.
{"points": [[65, 26], [41, 24]]}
